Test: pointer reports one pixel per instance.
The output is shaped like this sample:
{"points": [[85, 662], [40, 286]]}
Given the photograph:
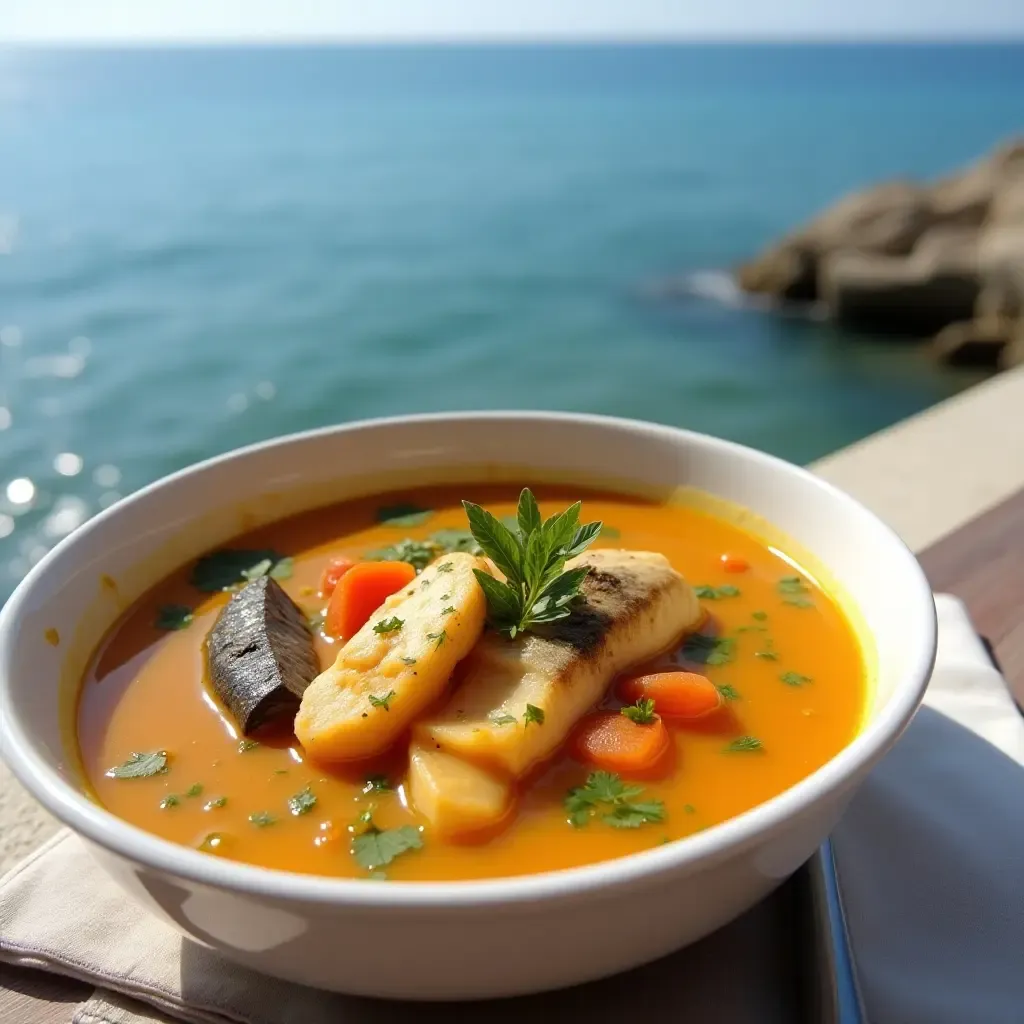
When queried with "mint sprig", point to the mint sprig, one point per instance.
{"points": [[532, 556]]}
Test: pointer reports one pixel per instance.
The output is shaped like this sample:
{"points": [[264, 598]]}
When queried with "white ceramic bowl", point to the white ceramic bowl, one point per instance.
{"points": [[468, 939]]}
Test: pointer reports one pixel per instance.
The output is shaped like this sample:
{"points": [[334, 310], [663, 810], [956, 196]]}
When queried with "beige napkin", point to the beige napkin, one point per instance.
{"points": [[931, 860]]}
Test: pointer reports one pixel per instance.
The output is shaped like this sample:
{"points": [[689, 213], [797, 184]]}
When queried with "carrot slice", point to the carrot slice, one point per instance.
{"points": [[333, 571], [733, 563], [609, 740], [361, 591], [675, 694]]}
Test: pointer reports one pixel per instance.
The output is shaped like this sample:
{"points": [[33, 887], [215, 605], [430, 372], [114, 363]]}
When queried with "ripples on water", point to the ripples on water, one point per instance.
{"points": [[202, 249]]}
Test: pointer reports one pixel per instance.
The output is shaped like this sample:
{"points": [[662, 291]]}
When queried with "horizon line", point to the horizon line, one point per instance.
{"points": [[503, 41]]}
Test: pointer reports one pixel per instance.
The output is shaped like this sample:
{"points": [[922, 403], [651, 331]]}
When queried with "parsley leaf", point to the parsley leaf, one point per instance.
{"points": [[246, 745], [139, 766], [195, 789], [445, 567], [532, 556], [217, 801], [709, 650], [403, 515], [795, 679], [500, 718], [604, 793], [533, 714], [760, 616], [408, 661], [261, 819], [767, 655], [376, 849], [794, 591], [392, 625], [224, 569], [710, 593], [169, 801], [303, 802], [448, 611], [439, 638], [173, 616], [728, 692], [377, 784], [642, 712], [382, 702], [744, 744]]}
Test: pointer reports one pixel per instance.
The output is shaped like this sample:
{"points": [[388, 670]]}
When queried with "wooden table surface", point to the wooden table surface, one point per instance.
{"points": [[982, 563]]}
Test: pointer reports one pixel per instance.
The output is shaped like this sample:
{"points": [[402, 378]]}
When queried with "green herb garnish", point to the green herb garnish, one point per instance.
{"points": [[605, 794], [382, 702], [455, 540], [222, 570], [760, 616], [261, 819], [642, 712], [794, 591], [744, 744], [448, 611], [610, 533], [195, 789], [533, 714], [710, 593], [709, 650], [403, 515], [728, 692], [217, 801], [376, 849], [171, 800], [377, 784], [795, 679], [140, 766], [392, 625], [173, 616], [246, 745], [445, 567], [303, 802], [418, 553], [538, 588], [408, 661], [438, 638], [500, 718]]}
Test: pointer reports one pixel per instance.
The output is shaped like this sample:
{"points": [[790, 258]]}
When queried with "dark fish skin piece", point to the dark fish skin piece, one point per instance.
{"points": [[260, 654]]}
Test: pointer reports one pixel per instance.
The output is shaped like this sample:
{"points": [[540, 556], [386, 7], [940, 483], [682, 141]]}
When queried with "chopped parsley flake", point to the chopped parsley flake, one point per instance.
{"points": [[709, 650], [438, 638], [642, 712], [195, 789], [794, 591], [392, 625], [139, 766], [303, 802], [605, 794], [217, 801], [382, 702], [533, 714], [795, 679], [377, 784], [245, 745], [448, 611], [261, 819], [375, 848], [408, 661], [744, 744], [173, 616], [445, 567], [760, 616], [169, 801], [709, 593], [728, 692], [501, 718]]}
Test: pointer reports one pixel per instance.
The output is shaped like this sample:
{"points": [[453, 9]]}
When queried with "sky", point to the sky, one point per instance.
{"points": [[98, 21]]}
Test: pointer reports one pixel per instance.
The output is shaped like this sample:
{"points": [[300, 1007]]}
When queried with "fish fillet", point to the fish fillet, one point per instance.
{"points": [[635, 605]]}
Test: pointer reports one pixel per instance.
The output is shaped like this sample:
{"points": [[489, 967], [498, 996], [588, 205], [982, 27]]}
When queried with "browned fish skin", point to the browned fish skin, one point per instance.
{"points": [[260, 654]]}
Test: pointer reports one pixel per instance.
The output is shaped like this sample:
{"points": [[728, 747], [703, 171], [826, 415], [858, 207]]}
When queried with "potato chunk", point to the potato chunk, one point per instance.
{"points": [[396, 665], [456, 797]]}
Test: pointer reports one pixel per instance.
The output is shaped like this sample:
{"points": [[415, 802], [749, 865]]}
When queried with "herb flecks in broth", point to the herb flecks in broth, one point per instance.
{"points": [[795, 679], [606, 796], [744, 745], [795, 592], [377, 848], [302, 803], [172, 617], [709, 593], [229, 567], [140, 766]]}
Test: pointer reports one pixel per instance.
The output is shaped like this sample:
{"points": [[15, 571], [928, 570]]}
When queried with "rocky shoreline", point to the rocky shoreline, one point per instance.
{"points": [[941, 261]]}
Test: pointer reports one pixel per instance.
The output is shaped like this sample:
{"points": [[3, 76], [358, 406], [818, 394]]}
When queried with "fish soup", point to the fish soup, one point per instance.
{"points": [[411, 688]]}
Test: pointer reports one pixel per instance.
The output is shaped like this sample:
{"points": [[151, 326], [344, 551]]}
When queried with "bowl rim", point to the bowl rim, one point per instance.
{"points": [[98, 825]]}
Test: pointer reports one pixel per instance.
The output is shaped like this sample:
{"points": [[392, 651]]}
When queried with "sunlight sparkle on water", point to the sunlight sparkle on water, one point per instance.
{"points": [[68, 464], [6, 525], [5, 417], [21, 491], [106, 475], [10, 336]]}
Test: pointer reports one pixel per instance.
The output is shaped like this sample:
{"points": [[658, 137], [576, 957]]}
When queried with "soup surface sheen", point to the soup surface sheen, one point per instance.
{"points": [[793, 672]]}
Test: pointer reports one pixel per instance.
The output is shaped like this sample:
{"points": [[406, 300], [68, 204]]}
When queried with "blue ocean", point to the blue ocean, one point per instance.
{"points": [[200, 248]]}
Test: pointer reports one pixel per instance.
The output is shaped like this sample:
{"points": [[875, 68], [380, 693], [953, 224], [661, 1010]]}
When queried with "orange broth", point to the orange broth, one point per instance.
{"points": [[145, 691]]}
